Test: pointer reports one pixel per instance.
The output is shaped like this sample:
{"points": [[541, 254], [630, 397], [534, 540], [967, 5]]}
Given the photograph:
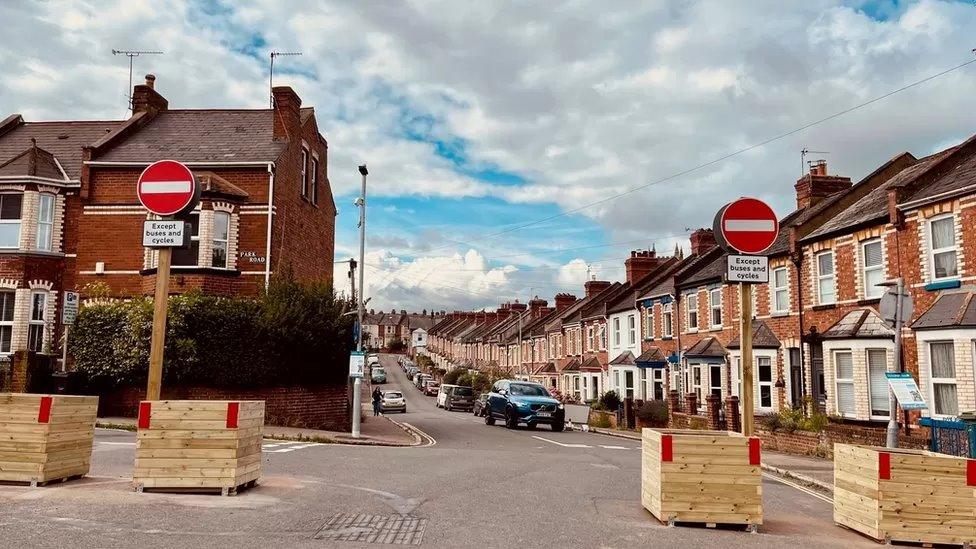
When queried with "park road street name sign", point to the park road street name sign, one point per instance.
{"points": [[748, 269]]}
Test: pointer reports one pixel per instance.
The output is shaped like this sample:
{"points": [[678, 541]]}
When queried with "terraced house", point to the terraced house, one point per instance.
{"points": [[70, 219]]}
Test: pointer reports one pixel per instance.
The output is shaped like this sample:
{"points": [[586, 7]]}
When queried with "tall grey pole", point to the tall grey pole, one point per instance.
{"points": [[892, 438], [357, 406]]}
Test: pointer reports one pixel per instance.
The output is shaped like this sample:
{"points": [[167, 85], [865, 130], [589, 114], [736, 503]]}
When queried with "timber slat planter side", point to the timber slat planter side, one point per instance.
{"points": [[44, 438], [905, 495], [198, 445], [710, 477]]}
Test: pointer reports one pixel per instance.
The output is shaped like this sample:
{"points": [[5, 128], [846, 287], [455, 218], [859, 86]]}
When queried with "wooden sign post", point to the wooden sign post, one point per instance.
{"points": [[166, 188]]}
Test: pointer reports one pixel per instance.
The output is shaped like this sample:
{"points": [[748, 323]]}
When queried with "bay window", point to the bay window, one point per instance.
{"points": [[221, 239], [45, 222], [872, 268], [37, 322], [190, 256], [944, 391], [715, 380], [844, 381], [826, 292], [781, 290], [877, 382], [10, 220], [942, 248], [692, 306], [764, 365], [6, 320]]}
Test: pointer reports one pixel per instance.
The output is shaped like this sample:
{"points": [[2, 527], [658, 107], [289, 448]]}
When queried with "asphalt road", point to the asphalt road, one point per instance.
{"points": [[477, 486]]}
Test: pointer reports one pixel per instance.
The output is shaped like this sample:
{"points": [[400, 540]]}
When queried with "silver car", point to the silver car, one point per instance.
{"points": [[393, 401]]}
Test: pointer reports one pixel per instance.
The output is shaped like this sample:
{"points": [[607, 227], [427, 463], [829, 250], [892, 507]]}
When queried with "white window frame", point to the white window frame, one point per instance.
{"points": [[9, 324], [616, 331], [760, 383], [822, 278], [649, 322], [867, 365], [933, 381], [712, 307], [590, 341], [656, 380], [776, 290], [630, 390], [871, 291], [46, 244], [846, 381], [632, 329], [667, 320], [33, 323], [932, 250], [314, 188], [225, 243], [691, 308], [18, 222], [304, 184], [603, 337]]}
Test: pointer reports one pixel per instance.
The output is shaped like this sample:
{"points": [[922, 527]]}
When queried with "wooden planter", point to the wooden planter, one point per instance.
{"points": [[711, 477], [905, 495], [45, 437], [199, 445]]}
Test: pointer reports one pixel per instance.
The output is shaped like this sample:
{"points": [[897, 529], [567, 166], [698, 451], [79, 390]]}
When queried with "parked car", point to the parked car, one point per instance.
{"points": [[442, 395], [412, 371], [420, 379], [516, 402], [431, 387], [457, 398], [393, 401], [372, 359], [377, 375], [478, 408]]}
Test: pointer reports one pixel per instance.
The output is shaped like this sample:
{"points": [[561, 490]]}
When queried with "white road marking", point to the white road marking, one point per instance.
{"points": [[284, 446], [610, 447], [562, 444]]}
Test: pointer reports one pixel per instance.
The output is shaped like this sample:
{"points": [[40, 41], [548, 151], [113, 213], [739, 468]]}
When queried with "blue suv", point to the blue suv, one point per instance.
{"points": [[517, 402]]}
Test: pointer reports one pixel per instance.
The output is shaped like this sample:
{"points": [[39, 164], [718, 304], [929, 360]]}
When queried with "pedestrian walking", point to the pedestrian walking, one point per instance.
{"points": [[377, 397]]}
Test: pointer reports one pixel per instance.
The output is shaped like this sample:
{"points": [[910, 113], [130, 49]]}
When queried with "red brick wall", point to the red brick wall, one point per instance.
{"points": [[822, 444], [312, 408]]}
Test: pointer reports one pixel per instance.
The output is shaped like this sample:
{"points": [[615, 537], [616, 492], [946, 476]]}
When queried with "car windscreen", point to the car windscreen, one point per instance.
{"points": [[393, 395], [379, 371], [528, 390], [463, 391]]}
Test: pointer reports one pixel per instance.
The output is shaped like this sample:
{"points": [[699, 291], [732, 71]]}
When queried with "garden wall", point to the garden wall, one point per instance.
{"points": [[822, 444], [324, 408]]}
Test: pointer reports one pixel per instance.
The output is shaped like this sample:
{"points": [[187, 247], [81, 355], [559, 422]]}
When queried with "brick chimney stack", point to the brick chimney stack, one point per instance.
{"points": [[564, 300], [594, 287], [519, 307], [702, 240], [146, 99], [287, 113], [535, 305], [817, 185], [640, 263]]}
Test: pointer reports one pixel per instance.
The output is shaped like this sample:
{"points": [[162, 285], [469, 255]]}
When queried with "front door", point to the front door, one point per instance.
{"points": [[796, 378], [816, 363]]}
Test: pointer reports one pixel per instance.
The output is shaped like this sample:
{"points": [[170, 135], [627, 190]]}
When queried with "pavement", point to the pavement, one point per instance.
{"points": [[466, 485]]}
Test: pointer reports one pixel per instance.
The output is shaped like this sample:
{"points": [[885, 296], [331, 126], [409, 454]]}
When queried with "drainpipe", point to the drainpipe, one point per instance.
{"points": [[798, 280], [267, 251], [676, 331]]}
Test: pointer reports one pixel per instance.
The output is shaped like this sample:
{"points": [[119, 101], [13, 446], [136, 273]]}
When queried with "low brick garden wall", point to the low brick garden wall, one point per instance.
{"points": [[822, 444], [324, 408]]}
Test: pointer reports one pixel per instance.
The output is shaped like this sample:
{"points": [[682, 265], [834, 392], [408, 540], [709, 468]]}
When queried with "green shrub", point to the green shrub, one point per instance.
{"points": [[397, 346], [452, 377], [654, 413], [609, 401], [771, 422], [817, 422], [600, 420], [292, 334]]}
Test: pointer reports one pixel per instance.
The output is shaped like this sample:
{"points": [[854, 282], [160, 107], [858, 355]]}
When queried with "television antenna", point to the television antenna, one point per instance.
{"points": [[271, 71], [803, 159], [132, 54]]}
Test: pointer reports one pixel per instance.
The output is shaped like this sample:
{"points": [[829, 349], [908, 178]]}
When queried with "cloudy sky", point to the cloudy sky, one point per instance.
{"points": [[496, 133]]}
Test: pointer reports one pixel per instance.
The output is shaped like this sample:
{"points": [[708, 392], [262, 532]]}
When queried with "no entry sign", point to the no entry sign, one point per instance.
{"points": [[746, 226], [167, 188]]}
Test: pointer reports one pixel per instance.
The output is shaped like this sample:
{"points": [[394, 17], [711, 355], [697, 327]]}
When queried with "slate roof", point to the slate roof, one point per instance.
{"points": [[591, 364], [712, 269], [214, 184], [625, 358], [762, 337], [707, 347], [651, 355], [571, 366], [63, 140], [547, 368], [201, 135], [874, 205], [859, 324], [959, 176], [34, 161], [950, 310], [687, 265], [628, 300]]}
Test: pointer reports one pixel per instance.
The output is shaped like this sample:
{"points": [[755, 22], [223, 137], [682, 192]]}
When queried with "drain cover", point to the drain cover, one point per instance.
{"points": [[391, 529]]}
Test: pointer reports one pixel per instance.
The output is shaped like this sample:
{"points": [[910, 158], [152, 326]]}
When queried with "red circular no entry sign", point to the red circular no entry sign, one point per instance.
{"points": [[748, 226], [166, 187]]}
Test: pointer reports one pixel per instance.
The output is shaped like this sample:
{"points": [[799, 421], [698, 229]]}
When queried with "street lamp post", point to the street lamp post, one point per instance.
{"points": [[357, 406], [899, 285]]}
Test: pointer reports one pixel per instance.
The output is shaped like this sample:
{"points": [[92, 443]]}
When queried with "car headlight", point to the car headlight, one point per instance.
{"points": [[560, 406], [522, 404]]}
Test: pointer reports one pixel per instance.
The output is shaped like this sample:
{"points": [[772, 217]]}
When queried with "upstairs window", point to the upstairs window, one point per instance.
{"points": [[10, 220], [221, 239], [315, 180], [616, 331], [781, 290], [189, 257], [942, 248], [873, 268], [38, 319], [649, 322], [632, 329], [826, 293], [692, 307], [45, 222], [715, 298], [666, 327], [304, 172]]}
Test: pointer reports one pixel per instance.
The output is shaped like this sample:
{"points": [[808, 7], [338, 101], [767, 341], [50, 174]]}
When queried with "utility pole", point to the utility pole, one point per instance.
{"points": [[357, 407], [132, 54], [892, 435]]}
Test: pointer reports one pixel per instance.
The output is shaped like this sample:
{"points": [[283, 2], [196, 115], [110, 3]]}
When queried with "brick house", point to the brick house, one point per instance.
{"points": [[71, 219]]}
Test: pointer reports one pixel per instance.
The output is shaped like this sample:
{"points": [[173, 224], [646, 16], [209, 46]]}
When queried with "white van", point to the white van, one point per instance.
{"points": [[372, 360], [442, 395]]}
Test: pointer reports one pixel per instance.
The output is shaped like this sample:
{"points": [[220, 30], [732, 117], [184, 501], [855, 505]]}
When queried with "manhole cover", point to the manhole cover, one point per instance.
{"points": [[391, 529]]}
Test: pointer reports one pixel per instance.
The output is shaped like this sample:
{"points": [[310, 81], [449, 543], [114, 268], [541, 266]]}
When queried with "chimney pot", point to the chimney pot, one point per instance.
{"points": [[151, 80]]}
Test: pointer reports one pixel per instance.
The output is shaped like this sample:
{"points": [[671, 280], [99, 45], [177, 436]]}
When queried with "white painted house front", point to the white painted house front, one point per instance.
{"points": [[625, 337]]}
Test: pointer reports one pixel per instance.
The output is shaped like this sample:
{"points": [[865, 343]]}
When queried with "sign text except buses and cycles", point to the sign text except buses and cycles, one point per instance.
{"points": [[751, 269], [164, 234]]}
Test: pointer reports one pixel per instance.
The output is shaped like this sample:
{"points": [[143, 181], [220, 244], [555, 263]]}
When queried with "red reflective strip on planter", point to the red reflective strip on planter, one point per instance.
{"points": [[667, 448], [233, 408], [971, 472], [755, 451], [44, 413], [884, 466], [145, 410]]}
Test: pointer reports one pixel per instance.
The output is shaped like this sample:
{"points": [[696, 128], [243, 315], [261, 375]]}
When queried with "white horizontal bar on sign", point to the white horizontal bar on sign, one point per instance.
{"points": [[161, 187], [749, 225]]}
